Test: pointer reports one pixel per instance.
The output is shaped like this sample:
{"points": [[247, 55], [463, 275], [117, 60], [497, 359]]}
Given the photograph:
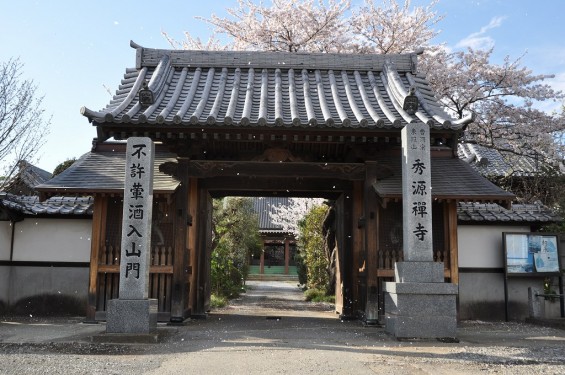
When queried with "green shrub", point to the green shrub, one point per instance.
{"points": [[217, 302], [317, 295], [235, 238], [311, 244]]}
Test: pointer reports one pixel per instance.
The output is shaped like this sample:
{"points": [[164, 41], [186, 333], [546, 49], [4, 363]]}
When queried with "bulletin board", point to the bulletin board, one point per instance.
{"points": [[531, 254]]}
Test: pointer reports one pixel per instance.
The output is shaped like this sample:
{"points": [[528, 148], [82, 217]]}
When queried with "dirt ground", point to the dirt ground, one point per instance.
{"points": [[270, 330]]}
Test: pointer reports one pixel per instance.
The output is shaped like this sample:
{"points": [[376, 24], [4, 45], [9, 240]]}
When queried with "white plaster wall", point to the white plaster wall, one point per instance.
{"points": [[480, 246], [53, 240], [5, 239]]}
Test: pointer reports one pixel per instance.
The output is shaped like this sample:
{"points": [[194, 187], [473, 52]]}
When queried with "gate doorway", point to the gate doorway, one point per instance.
{"points": [[274, 261]]}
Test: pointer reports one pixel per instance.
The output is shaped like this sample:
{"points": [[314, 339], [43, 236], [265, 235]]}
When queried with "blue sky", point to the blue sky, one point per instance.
{"points": [[73, 49]]}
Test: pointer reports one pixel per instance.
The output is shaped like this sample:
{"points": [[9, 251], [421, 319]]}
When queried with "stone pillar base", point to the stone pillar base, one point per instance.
{"points": [[131, 316], [417, 309], [536, 305], [372, 311]]}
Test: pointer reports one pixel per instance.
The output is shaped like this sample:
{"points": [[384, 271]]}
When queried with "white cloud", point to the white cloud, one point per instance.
{"points": [[116, 23], [479, 40]]}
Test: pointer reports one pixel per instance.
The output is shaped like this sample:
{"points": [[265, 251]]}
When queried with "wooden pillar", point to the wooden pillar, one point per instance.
{"points": [[453, 247], [98, 239], [180, 258], [358, 260], [371, 243], [286, 255], [344, 243], [262, 260], [192, 241], [203, 250]]}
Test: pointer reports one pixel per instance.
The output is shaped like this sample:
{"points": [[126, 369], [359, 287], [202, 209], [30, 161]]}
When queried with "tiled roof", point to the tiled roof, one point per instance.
{"points": [[466, 211], [30, 205], [490, 162], [491, 212], [27, 178], [104, 172], [264, 206], [213, 89], [451, 179]]}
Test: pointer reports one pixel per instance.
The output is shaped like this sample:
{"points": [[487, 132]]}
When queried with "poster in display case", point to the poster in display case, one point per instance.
{"points": [[531, 253]]}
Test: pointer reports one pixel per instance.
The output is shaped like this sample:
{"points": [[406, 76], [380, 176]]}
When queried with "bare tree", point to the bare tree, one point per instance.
{"points": [[22, 126]]}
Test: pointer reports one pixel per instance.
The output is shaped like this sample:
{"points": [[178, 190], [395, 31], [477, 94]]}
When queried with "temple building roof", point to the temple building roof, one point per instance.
{"points": [[103, 171], [32, 206], [452, 179], [26, 179], [264, 206], [189, 90], [467, 212], [493, 163], [471, 212]]}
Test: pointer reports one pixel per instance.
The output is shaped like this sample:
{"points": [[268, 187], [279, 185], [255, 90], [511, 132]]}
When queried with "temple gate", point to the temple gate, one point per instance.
{"points": [[269, 124]]}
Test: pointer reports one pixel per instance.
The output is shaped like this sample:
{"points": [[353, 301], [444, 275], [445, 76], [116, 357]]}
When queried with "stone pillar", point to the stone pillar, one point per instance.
{"points": [[133, 312], [418, 304]]}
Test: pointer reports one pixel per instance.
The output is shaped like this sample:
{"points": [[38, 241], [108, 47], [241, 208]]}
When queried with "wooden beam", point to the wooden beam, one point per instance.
{"points": [[344, 171], [99, 214], [115, 268], [292, 187]]}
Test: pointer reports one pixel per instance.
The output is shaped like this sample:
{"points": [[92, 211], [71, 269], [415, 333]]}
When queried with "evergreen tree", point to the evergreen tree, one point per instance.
{"points": [[235, 237]]}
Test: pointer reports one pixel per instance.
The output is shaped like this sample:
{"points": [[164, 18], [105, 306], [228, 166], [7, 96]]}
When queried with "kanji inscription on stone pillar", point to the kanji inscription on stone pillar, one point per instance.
{"points": [[416, 193], [136, 224]]}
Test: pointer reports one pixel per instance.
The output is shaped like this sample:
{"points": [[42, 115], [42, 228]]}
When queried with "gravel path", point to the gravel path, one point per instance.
{"points": [[270, 330]]}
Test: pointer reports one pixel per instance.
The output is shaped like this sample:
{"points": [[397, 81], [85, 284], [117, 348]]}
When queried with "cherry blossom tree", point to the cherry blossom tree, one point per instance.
{"points": [[319, 26], [502, 97], [287, 25], [289, 216], [393, 28]]}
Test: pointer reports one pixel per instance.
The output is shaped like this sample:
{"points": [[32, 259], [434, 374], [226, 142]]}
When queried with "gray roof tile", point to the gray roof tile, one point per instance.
{"points": [[264, 206], [27, 178], [493, 163], [451, 179], [292, 90], [30, 205], [492, 212], [104, 172]]}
